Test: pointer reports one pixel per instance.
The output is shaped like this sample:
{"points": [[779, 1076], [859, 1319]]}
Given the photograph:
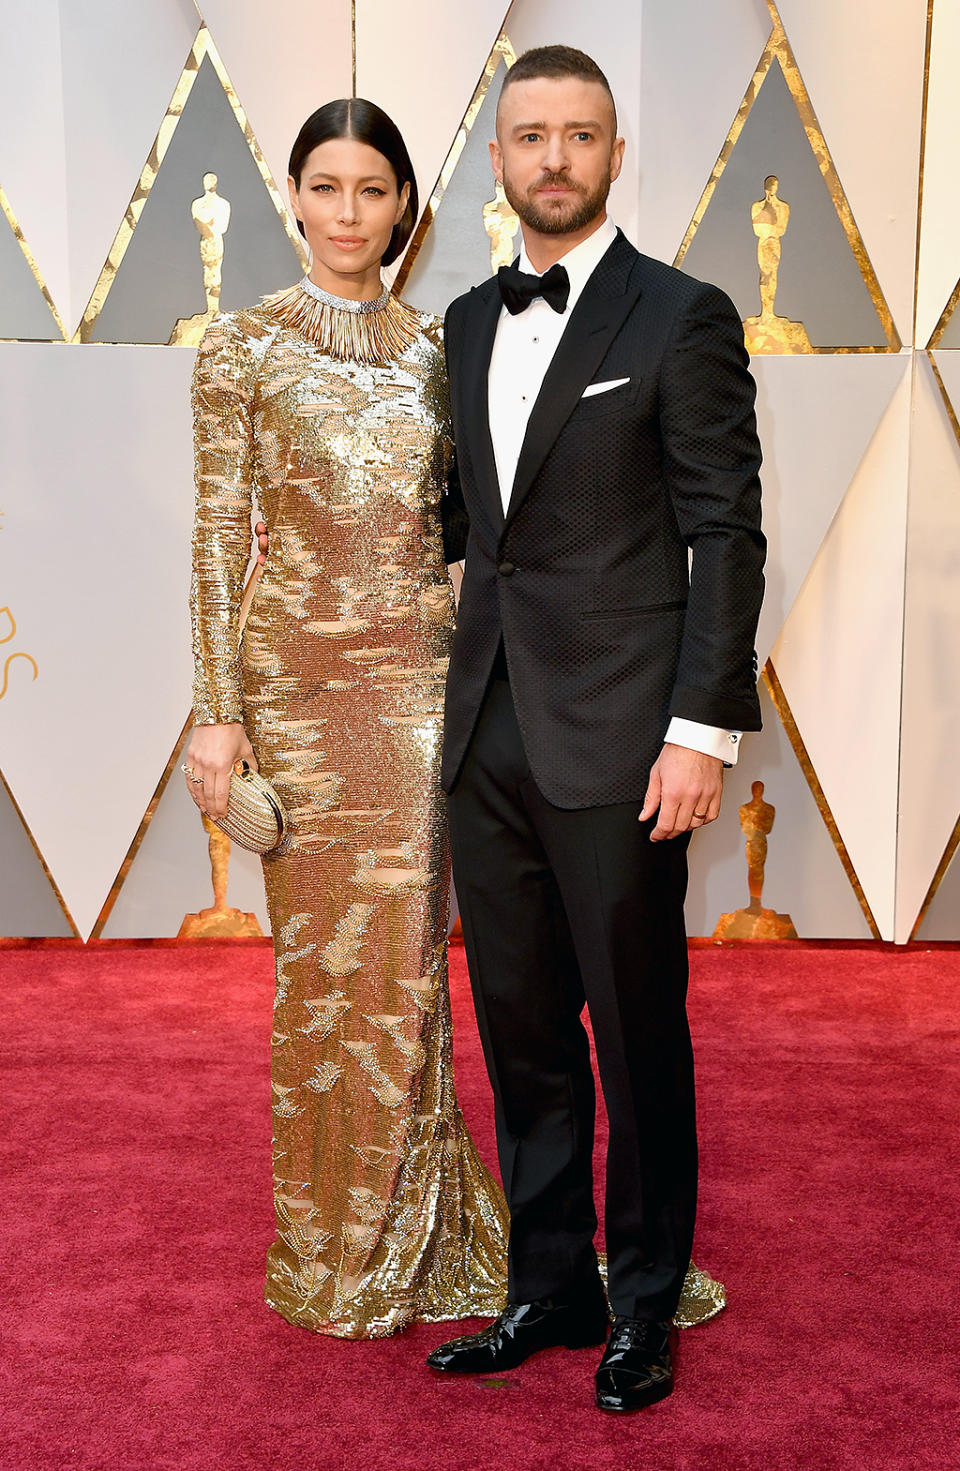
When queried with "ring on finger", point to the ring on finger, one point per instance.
{"points": [[701, 816]]}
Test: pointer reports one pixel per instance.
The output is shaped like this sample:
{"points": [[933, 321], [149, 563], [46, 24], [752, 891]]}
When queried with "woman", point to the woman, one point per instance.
{"points": [[328, 403]]}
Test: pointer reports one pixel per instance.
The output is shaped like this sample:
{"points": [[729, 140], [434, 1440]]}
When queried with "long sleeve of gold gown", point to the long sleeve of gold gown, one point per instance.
{"points": [[223, 387], [384, 1212]]}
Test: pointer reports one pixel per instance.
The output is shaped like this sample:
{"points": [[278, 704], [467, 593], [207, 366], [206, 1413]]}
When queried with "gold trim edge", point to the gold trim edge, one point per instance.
{"points": [[943, 320], [947, 401], [928, 38], [778, 47], [785, 714], [6, 210], [138, 837], [953, 843], [202, 48], [501, 50], [43, 864], [148, 816]]}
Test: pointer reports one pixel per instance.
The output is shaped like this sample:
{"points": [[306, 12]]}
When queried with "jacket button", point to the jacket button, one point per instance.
{"points": [[506, 568]]}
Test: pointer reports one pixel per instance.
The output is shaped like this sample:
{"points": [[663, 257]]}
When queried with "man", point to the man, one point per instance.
{"points": [[604, 425]]}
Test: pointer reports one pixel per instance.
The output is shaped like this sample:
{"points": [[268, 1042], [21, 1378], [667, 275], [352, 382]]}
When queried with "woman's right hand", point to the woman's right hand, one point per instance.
{"points": [[210, 756]]}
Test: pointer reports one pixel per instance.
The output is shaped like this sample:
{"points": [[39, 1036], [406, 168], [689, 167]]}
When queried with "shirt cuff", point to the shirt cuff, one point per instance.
{"points": [[710, 740]]}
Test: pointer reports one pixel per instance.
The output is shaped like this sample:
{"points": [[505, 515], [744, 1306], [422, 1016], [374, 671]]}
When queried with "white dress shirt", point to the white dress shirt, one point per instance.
{"points": [[522, 352]]}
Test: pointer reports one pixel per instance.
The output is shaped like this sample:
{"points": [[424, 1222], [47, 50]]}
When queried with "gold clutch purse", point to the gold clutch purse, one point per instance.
{"points": [[254, 817]]}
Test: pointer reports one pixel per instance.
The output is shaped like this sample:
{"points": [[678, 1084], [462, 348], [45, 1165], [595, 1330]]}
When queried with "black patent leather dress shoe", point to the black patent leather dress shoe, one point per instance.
{"points": [[522, 1329], [637, 1365]]}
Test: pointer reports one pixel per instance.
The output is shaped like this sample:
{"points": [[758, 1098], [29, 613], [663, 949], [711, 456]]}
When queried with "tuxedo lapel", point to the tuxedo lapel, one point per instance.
{"points": [[480, 331], [606, 301]]}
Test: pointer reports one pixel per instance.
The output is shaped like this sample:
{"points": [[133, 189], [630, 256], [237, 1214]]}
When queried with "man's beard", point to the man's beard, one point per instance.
{"points": [[547, 220]]}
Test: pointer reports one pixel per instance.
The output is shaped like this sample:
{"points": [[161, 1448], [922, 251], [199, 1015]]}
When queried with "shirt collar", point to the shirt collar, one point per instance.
{"points": [[581, 261]]}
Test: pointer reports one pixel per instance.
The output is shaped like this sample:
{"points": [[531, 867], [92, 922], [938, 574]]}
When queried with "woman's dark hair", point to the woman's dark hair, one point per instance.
{"points": [[355, 117]]}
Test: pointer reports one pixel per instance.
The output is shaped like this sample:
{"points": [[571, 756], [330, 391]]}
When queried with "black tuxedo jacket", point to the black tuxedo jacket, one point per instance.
{"points": [[606, 633]]}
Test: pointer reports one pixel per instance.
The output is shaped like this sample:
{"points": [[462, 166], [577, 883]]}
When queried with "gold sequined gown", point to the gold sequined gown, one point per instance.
{"points": [[384, 1212]]}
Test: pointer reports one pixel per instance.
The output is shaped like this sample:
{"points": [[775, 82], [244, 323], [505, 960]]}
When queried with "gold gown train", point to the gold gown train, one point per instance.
{"points": [[333, 419]]}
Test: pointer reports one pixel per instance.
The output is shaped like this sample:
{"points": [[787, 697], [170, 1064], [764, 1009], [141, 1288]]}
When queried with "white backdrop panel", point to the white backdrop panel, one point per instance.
{"points": [[96, 531], [97, 490], [33, 165], [929, 771], [407, 54], [839, 654], [28, 903], [284, 62], [611, 34], [120, 61], [804, 876], [170, 876], [696, 64], [863, 69], [816, 415]]}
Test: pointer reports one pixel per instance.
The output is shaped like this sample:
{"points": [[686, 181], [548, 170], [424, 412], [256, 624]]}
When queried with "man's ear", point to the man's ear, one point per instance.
{"points": [[496, 159], [616, 157]]}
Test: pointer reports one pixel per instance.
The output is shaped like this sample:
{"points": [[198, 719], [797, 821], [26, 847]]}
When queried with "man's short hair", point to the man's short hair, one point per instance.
{"points": [[558, 61]]}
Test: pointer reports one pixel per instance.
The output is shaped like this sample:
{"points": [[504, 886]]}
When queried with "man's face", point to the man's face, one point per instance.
{"points": [[556, 153]]}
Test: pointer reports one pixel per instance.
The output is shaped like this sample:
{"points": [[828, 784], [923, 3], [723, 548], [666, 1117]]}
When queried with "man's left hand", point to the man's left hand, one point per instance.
{"points": [[687, 787]]}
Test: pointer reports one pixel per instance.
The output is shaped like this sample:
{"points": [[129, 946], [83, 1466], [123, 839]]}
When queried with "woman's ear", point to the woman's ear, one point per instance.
{"points": [[402, 204], [294, 194]]}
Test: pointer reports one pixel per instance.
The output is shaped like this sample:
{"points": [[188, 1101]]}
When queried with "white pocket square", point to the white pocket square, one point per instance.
{"points": [[603, 387]]}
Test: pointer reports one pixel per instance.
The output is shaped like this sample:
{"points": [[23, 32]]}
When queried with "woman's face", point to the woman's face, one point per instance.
{"points": [[348, 203]]}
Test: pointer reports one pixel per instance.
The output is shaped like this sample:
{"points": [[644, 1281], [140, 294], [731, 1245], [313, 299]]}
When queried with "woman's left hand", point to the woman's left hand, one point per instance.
{"points": [[209, 762]]}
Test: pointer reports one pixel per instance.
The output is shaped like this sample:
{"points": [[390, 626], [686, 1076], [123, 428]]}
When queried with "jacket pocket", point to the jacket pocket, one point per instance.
{"points": [[611, 401], [646, 608]]}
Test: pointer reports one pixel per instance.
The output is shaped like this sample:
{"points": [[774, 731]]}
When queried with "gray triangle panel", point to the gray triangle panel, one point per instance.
{"points": [[942, 919], [820, 283], [455, 253], [160, 278], [28, 903], [170, 875], [951, 332], [24, 310]]}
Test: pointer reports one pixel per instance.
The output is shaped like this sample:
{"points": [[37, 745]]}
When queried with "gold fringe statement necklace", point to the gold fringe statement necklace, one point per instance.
{"points": [[354, 331]]}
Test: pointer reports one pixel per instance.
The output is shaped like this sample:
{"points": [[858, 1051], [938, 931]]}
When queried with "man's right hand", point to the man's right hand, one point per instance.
{"points": [[263, 542], [210, 756]]}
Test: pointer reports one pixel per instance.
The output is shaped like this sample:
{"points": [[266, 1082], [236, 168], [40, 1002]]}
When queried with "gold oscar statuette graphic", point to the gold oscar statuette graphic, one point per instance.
{"points": [[501, 224], [755, 922], [211, 216], [768, 332], [220, 922]]}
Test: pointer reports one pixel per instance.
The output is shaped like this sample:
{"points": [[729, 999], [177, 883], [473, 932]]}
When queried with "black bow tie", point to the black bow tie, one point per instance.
{"points": [[518, 289]]}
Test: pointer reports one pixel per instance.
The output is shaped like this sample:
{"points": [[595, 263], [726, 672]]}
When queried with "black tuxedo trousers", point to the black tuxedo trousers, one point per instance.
{"points": [[560, 908]]}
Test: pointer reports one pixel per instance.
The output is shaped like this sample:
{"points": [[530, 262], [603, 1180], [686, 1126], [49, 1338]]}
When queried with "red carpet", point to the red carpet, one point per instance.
{"points": [[137, 1212]]}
